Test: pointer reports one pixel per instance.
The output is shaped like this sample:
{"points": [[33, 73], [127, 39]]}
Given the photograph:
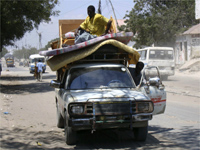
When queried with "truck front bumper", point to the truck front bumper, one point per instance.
{"points": [[136, 120]]}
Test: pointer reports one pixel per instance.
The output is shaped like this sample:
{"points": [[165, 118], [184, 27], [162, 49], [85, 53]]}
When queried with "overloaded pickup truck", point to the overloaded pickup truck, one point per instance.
{"points": [[98, 92]]}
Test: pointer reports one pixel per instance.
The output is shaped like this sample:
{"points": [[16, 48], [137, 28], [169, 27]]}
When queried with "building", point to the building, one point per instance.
{"points": [[187, 45]]}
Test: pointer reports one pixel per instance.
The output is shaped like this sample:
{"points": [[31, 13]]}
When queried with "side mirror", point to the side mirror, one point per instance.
{"points": [[55, 84], [161, 87], [154, 81]]}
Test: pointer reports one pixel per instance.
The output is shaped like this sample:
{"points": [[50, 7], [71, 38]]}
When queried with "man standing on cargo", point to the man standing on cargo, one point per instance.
{"points": [[93, 26]]}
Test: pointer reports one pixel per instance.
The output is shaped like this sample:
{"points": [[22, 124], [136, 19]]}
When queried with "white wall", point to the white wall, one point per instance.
{"points": [[187, 53]]}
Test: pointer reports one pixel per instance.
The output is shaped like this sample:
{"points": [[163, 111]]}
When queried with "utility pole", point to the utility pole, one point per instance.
{"points": [[40, 39], [99, 9]]}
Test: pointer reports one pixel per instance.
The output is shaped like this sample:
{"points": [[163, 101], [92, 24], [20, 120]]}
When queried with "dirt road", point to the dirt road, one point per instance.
{"points": [[28, 117]]}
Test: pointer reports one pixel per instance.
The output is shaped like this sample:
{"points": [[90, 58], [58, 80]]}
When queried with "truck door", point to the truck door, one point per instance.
{"points": [[158, 96], [155, 91]]}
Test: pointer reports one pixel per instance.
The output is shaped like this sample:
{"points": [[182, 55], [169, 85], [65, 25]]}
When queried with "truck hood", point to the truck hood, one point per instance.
{"points": [[107, 95]]}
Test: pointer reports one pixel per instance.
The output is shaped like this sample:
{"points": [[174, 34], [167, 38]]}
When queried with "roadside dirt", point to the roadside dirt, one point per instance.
{"points": [[28, 113]]}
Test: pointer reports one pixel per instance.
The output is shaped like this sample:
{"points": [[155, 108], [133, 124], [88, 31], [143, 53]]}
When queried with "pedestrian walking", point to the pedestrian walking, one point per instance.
{"points": [[40, 66]]}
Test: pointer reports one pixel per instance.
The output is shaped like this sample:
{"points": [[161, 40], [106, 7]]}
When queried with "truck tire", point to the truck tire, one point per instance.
{"points": [[70, 134], [140, 134], [60, 119]]}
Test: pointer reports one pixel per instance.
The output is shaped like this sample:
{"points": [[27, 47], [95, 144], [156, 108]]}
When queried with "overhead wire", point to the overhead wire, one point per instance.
{"points": [[119, 4], [76, 8], [106, 11]]}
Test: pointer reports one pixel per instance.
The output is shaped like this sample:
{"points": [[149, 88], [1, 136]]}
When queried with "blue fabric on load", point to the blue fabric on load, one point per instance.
{"points": [[83, 36]]}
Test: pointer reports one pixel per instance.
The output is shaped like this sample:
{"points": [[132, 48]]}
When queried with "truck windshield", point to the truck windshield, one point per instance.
{"points": [[161, 54], [37, 59], [101, 77]]}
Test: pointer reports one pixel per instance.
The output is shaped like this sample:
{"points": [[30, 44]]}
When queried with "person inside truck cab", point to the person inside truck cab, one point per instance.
{"points": [[136, 72], [93, 26]]}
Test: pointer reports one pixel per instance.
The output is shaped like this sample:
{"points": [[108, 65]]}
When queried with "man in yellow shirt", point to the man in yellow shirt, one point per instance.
{"points": [[94, 24]]}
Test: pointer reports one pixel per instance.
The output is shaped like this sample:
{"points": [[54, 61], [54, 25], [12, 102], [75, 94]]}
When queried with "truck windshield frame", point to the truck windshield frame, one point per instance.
{"points": [[37, 59], [98, 78]]}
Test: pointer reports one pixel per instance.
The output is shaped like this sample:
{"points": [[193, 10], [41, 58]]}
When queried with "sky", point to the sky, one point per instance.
{"points": [[71, 9]]}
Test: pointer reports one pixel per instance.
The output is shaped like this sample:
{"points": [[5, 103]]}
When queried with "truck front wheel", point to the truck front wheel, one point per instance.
{"points": [[140, 134], [70, 134]]}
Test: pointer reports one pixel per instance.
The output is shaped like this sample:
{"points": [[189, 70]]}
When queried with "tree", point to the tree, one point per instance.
{"points": [[49, 43], [24, 53], [4, 51], [159, 21], [19, 17]]}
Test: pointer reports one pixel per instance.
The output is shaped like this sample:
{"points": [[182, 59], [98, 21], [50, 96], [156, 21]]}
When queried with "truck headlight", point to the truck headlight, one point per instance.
{"points": [[76, 109], [145, 107]]}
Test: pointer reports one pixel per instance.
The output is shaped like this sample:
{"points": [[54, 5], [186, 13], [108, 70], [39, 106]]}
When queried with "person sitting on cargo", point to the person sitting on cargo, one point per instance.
{"points": [[93, 26], [136, 72]]}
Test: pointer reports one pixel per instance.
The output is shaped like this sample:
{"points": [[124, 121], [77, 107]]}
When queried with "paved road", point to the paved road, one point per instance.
{"points": [[184, 84], [31, 117]]}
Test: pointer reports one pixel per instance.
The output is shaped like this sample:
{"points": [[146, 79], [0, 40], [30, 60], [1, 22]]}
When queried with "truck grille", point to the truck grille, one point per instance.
{"points": [[111, 108]]}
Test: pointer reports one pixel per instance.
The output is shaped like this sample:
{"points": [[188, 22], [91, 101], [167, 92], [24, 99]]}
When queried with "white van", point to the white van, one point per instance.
{"points": [[35, 58], [162, 57]]}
